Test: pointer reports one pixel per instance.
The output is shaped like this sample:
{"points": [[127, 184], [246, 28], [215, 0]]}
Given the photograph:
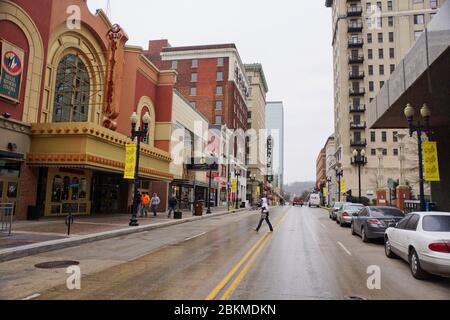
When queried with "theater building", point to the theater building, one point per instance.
{"points": [[69, 84]]}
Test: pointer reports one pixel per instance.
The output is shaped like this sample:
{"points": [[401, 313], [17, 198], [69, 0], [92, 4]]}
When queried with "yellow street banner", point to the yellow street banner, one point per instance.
{"points": [[431, 161], [234, 185], [258, 192], [130, 161], [343, 190], [325, 192]]}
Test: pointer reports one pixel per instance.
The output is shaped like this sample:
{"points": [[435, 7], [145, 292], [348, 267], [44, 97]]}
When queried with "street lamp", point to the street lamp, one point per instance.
{"points": [[400, 137], [140, 135], [359, 159], [252, 180], [339, 175], [328, 188], [237, 174], [425, 112]]}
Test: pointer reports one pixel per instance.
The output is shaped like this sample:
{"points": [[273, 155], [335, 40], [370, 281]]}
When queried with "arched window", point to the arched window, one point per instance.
{"points": [[72, 91]]}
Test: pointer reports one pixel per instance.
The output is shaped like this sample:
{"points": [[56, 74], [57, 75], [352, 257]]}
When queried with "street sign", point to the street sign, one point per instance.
{"points": [[130, 161]]}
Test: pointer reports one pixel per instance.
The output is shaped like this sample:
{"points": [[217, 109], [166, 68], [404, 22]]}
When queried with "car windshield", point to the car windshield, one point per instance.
{"points": [[353, 207], [386, 212], [436, 223]]}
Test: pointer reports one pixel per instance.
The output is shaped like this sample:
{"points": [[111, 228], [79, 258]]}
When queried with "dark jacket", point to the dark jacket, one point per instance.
{"points": [[172, 202]]}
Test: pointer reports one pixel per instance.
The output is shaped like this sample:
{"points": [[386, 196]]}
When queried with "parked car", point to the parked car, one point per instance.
{"points": [[345, 214], [336, 207], [372, 222], [298, 202], [314, 200], [423, 240]]}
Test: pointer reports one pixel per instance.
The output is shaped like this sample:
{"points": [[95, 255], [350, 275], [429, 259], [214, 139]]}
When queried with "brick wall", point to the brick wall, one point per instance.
{"points": [[27, 190]]}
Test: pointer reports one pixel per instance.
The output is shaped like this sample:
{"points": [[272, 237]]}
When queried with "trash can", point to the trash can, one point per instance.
{"points": [[33, 213], [198, 208], [178, 215]]}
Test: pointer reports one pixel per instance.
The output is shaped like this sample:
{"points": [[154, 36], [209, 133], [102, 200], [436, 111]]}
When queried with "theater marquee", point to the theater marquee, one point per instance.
{"points": [[11, 70]]}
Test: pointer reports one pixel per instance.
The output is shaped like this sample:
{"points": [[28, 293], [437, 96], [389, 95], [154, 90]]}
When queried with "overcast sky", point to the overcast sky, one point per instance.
{"points": [[291, 38]]}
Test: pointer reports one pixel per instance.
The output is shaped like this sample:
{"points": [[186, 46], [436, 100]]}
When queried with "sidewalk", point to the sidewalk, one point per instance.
{"points": [[46, 234]]}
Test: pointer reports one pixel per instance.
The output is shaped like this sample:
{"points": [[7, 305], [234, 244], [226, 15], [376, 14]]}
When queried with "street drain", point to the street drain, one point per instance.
{"points": [[354, 298], [56, 264]]}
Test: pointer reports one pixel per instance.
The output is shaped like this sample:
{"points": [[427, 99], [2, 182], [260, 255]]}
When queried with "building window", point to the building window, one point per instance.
{"points": [[371, 87], [220, 62], [389, 5], [381, 84], [380, 53], [218, 105], [370, 54], [395, 136], [369, 38], [72, 91], [419, 19], [174, 64], [392, 66], [219, 76], [193, 104], [385, 152], [194, 63], [219, 90], [390, 21], [373, 136], [434, 4], [384, 136], [370, 70], [373, 152], [391, 37], [381, 70], [379, 6], [391, 53], [193, 92], [395, 152], [218, 120], [194, 77], [380, 37]]}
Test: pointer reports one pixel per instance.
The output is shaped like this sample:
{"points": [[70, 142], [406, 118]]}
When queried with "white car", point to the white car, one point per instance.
{"points": [[314, 200], [422, 239]]}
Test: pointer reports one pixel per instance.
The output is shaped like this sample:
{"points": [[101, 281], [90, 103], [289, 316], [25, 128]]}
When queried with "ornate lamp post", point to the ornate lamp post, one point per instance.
{"points": [[328, 188], [140, 135], [359, 159], [252, 180], [425, 112], [237, 174], [339, 175]]}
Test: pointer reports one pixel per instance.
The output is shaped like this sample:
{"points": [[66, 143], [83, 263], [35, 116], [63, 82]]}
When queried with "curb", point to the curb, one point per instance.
{"points": [[36, 248]]}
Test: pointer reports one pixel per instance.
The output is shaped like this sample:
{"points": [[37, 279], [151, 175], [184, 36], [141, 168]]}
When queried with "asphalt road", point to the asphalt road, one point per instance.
{"points": [[308, 256]]}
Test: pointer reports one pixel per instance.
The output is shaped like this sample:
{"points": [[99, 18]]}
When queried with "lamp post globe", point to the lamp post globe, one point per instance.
{"points": [[409, 111]]}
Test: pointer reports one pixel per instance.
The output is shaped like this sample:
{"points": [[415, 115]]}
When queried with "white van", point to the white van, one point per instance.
{"points": [[314, 200]]}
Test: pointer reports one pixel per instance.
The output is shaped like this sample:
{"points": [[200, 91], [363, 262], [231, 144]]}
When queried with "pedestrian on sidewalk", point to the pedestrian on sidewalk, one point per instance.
{"points": [[145, 202], [172, 205], [264, 215], [155, 204]]}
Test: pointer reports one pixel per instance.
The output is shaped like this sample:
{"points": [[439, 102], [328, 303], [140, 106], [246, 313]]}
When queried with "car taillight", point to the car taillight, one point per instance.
{"points": [[440, 247], [374, 221], [345, 214]]}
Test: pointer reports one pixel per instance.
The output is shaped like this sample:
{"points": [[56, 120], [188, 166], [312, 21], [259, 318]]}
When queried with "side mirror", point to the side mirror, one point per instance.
{"points": [[392, 225]]}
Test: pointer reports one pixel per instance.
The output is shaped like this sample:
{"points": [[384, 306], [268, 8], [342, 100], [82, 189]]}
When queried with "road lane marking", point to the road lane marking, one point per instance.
{"points": [[197, 236], [323, 226], [229, 292], [345, 249], [33, 296], [212, 295]]}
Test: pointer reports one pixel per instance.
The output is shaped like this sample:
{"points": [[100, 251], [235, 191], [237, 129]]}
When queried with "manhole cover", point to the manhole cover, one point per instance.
{"points": [[354, 298], [56, 264]]}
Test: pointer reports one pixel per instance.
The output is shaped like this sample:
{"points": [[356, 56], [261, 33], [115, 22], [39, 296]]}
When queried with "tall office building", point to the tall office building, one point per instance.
{"points": [[275, 132], [369, 39]]}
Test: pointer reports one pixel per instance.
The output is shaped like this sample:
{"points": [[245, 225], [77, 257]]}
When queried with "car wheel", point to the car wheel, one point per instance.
{"points": [[337, 221], [353, 229], [416, 269], [388, 249], [342, 224], [364, 236]]}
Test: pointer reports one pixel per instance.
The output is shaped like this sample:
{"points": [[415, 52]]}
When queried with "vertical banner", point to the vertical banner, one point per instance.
{"points": [[130, 161], [11, 71], [343, 186], [234, 185], [431, 161], [325, 192]]}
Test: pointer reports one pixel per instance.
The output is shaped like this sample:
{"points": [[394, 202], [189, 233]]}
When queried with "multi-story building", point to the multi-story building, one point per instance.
{"points": [[213, 79], [321, 168], [330, 162], [369, 39], [275, 138], [256, 146]]}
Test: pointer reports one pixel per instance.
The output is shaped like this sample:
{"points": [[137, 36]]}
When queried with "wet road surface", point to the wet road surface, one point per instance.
{"points": [[307, 257]]}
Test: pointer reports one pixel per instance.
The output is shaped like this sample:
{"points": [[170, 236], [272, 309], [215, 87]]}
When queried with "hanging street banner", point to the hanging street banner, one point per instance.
{"points": [[343, 190], [234, 185], [431, 161], [11, 70], [130, 161], [325, 192]]}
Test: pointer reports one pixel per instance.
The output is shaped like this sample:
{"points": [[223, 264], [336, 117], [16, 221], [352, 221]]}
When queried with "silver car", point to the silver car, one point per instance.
{"points": [[345, 215], [336, 207]]}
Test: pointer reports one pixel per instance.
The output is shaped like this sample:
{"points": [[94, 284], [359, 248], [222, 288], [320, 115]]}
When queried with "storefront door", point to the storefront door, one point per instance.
{"points": [[9, 182]]}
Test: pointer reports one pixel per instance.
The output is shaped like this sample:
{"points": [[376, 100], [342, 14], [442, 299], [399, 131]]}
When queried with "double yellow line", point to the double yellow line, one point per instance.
{"points": [[253, 253]]}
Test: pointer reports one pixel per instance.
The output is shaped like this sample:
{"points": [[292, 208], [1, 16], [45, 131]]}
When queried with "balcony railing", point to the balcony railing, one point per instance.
{"points": [[359, 75], [356, 109], [354, 11], [359, 143], [355, 27], [354, 59], [355, 42], [357, 92], [358, 125]]}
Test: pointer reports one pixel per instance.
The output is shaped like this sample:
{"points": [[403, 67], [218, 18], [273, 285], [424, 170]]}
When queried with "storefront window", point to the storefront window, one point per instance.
{"points": [[1, 189], [83, 188], [75, 186], [72, 91], [57, 189], [65, 189], [12, 190]]}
